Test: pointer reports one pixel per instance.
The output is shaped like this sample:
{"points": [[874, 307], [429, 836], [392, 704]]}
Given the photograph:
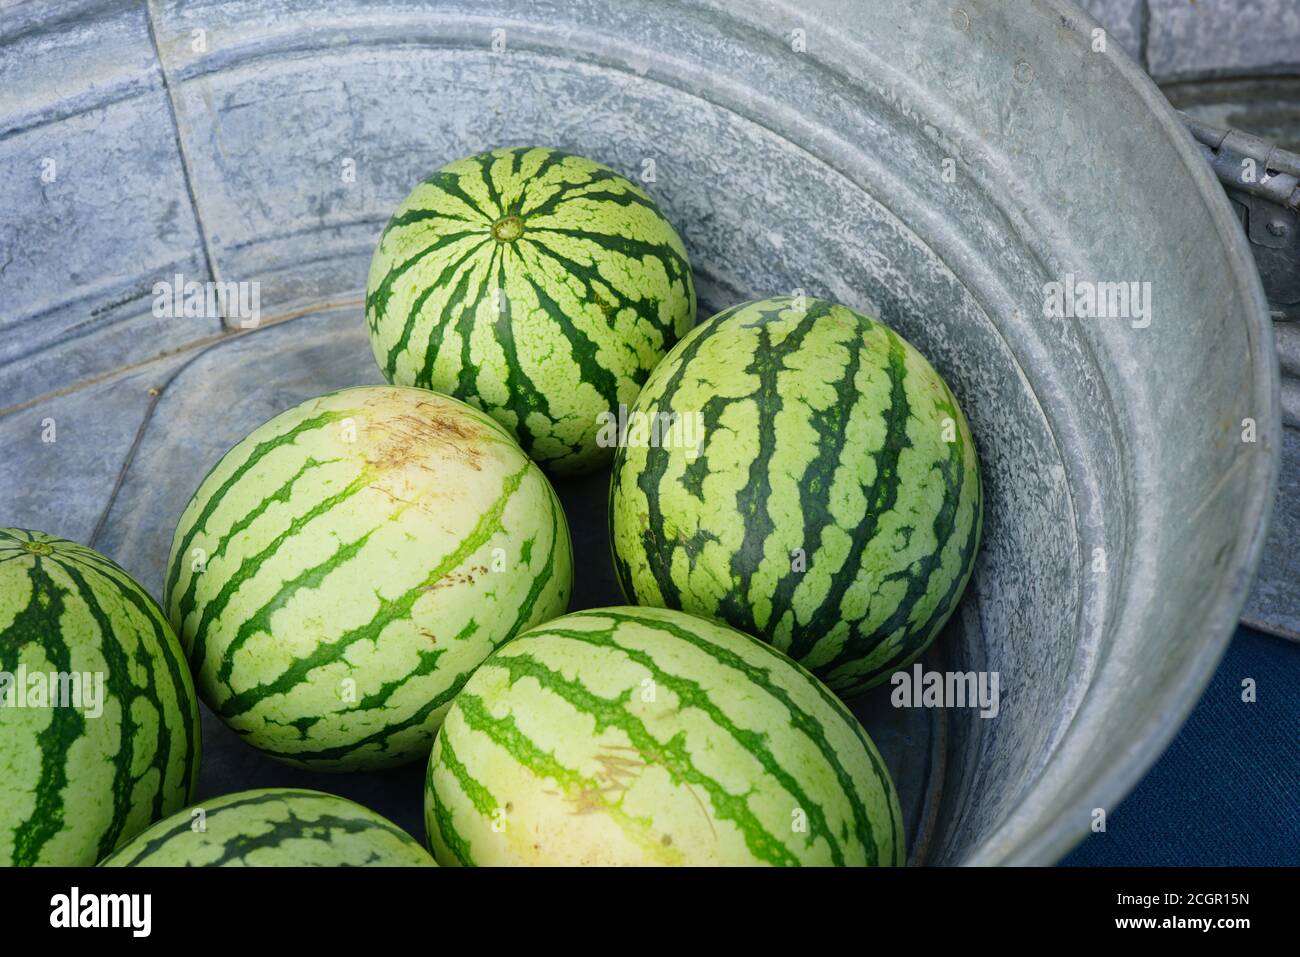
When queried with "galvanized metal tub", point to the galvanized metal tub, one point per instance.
{"points": [[936, 164]]}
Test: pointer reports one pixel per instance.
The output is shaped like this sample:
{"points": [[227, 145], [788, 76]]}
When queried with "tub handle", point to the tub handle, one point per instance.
{"points": [[1262, 181]]}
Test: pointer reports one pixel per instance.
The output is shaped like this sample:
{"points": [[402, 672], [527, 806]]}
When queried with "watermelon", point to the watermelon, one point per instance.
{"points": [[273, 827], [343, 569], [825, 497], [99, 723], [648, 736], [537, 285]]}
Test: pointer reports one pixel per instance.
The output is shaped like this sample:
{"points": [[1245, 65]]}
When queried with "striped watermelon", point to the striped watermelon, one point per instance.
{"points": [[343, 569], [832, 504], [647, 736], [274, 827], [86, 762], [537, 285]]}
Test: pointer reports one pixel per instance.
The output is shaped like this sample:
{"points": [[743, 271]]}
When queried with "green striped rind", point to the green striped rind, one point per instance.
{"points": [[537, 285], [273, 827], [75, 783], [647, 736], [834, 505], [343, 569]]}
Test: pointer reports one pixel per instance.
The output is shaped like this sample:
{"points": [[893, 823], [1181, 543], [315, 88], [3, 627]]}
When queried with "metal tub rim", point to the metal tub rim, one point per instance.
{"points": [[1178, 696]]}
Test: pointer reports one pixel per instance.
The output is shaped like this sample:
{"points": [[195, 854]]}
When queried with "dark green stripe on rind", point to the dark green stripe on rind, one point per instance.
{"points": [[281, 496], [301, 641], [488, 524], [505, 733], [478, 720], [919, 636], [310, 816], [881, 497], [118, 687], [210, 610], [182, 688], [444, 756], [589, 236], [213, 500], [259, 621], [458, 313], [390, 610], [760, 360], [653, 528], [84, 608], [691, 695], [799, 718], [768, 361], [672, 755], [523, 399], [451, 269], [38, 623]]}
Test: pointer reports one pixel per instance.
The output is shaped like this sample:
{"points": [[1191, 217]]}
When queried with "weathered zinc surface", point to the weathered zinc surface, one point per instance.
{"points": [[1217, 59], [933, 180], [94, 203]]}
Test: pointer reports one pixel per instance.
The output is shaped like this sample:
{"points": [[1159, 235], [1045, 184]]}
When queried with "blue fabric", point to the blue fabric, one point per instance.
{"points": [[1227, 792]]}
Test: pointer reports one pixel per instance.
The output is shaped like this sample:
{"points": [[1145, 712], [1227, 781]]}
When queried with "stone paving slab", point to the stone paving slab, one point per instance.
{"points": [[1124, 20], [1221, 36]]}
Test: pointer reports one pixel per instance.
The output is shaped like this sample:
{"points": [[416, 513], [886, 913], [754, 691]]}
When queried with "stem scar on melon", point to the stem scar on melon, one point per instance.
{"points": [[565, 273]]}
